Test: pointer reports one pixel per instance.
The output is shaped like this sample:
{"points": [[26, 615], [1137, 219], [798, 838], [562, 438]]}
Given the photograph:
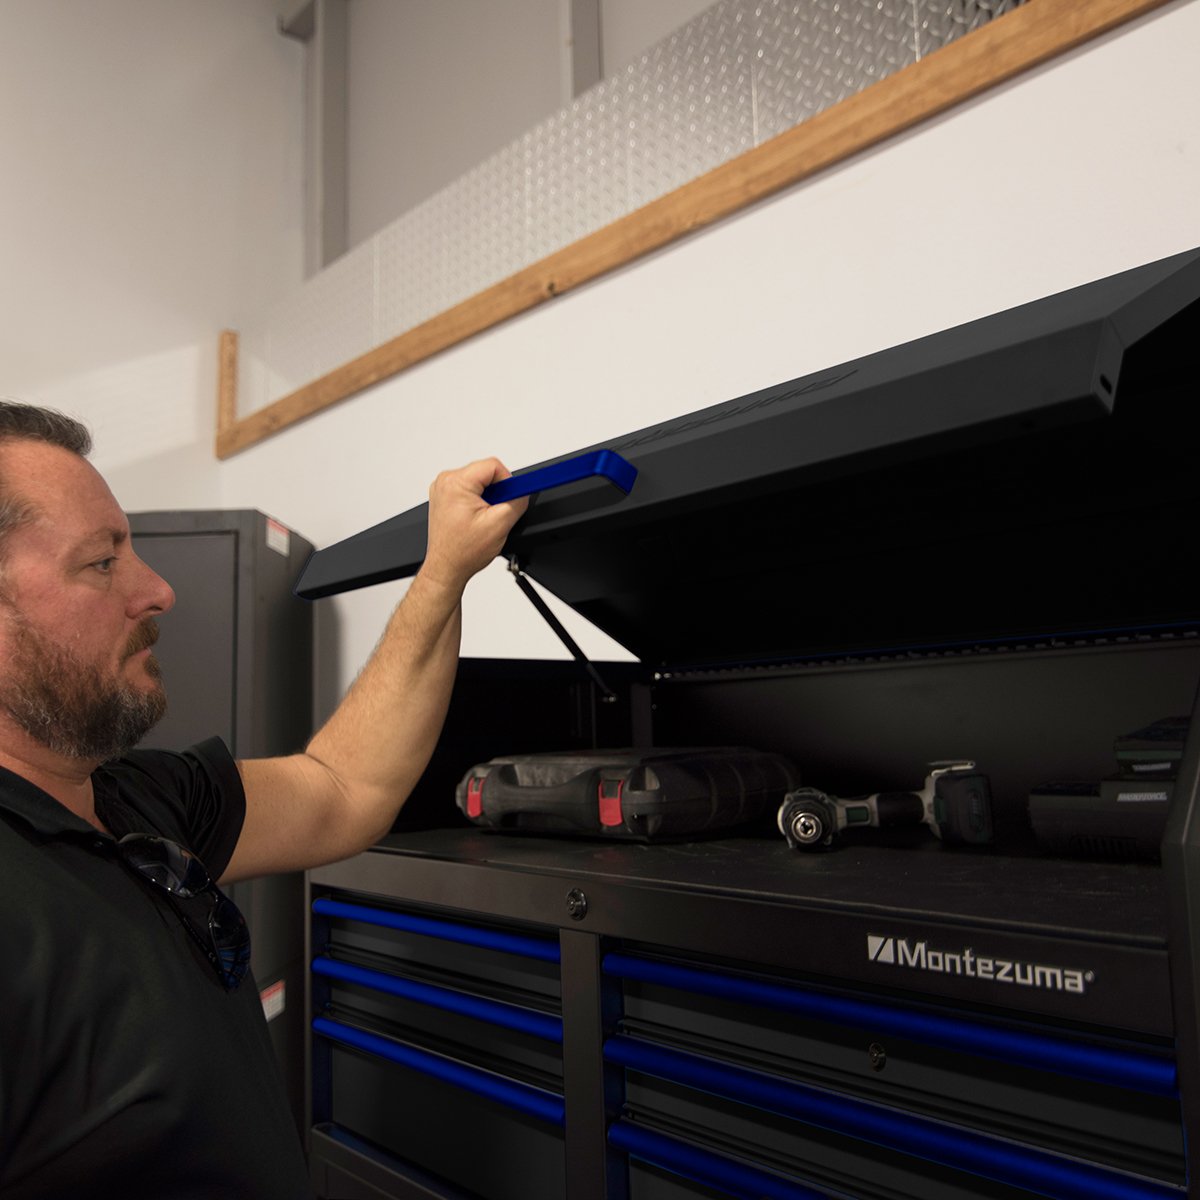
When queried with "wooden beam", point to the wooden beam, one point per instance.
{"points": [[227, 348], [1025, 38]]}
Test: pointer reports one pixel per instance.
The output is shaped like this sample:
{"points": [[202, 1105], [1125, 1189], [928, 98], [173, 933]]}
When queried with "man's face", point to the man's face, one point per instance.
{"points": [[76, 612], [70, 705]]}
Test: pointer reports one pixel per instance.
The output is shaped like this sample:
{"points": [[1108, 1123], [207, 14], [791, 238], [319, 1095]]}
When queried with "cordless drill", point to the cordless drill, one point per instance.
{"points": [[955, 803]]}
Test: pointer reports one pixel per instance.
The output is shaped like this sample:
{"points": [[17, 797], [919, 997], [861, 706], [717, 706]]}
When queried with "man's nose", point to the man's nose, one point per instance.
{"points": [[153, 593]]}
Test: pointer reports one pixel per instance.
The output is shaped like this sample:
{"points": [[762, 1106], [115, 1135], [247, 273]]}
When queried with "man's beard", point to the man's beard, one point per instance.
{"points": [[69, 706]]}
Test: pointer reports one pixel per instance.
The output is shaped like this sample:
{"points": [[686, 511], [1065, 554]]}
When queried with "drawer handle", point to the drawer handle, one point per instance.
{"points": [[493, 1012], [705, 1167], [447, 931], [536, 1102]]}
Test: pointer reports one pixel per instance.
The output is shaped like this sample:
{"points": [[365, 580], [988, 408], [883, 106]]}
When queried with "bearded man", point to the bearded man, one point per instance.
{"points": [[134, 1055]]}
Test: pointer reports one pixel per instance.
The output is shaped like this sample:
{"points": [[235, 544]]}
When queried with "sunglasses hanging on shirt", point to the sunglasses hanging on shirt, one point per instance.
{"points": [[212, 919]]}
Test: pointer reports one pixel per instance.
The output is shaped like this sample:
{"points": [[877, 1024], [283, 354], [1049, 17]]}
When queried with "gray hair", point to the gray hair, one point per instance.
{"points": [[29, 423]]}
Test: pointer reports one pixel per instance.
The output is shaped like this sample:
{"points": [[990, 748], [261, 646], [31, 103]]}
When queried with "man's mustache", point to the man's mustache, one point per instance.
{"points": [[143, 637]]}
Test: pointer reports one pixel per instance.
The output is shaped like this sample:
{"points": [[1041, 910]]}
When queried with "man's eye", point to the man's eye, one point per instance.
{"points": [[104, 565]]}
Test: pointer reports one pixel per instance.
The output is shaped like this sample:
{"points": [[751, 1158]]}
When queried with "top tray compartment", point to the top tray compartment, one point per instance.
{"points": [[1024, 475]]}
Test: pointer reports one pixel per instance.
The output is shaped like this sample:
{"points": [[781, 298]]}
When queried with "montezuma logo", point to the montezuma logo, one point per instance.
{"points": [[918, 956]]}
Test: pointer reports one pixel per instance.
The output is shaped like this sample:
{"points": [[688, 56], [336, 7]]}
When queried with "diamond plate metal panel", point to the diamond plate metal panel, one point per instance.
{"points": [[325, 323], [484, 214], [740, 73], [690, 100], [940, 22], [576, 170], [811, 54], [412, 285]]}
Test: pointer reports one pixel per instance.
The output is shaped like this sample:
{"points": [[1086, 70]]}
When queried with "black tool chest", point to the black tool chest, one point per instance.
{"points": [[978, 545]]}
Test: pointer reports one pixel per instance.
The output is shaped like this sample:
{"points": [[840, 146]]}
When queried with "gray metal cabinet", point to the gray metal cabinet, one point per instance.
{"points": [[237, 659]]}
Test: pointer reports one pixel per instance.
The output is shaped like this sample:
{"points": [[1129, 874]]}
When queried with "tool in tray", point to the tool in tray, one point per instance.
{"points": [[631, 794]]}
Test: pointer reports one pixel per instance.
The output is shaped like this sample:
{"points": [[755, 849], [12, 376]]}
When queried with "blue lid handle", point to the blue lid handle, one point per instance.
{"points": [[605, 463]]}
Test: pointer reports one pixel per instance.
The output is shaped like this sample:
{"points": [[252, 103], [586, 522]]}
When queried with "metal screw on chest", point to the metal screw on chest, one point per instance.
{"points": [[807, 828], [576, 904], [878, 1056]]}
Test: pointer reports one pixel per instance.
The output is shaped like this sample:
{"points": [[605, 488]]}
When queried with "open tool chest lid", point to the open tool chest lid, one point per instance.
{"points": [[1026, 475]]}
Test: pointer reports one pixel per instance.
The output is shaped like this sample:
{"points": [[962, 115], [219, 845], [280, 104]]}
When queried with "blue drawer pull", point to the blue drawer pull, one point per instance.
{"points": [[447, 931], [607, 464], [979, 1154], [494, 1012], [536, 1102], [704, 1167], [1099, 1064]]}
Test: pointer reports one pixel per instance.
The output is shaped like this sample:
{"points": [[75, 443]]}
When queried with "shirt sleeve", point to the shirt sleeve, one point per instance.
{"points": [[194, 797]]}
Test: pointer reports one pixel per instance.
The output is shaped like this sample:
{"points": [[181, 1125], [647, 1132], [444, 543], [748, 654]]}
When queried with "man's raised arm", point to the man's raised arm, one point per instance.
{"points": [[342, 794]]}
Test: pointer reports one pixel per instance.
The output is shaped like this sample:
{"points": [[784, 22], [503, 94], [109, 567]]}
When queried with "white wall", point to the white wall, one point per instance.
{"points": [[150, 194]]}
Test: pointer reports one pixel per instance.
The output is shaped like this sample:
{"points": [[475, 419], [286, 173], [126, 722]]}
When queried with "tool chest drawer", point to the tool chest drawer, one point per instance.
{"points": [[417, 1017]]}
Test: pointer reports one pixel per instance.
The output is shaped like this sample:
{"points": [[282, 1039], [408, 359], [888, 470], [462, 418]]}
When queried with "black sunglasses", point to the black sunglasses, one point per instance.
{"points": [[206, 912]]}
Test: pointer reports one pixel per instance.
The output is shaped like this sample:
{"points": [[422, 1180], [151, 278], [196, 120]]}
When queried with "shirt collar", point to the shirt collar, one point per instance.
{"points": [[39, 809]]}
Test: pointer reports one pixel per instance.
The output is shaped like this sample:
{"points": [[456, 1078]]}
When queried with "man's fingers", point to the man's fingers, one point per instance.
{"points": [[465, 533], [475, 476]]}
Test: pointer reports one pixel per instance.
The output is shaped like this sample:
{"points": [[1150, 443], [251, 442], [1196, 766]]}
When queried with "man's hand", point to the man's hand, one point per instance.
{"points": [[465, 532]]}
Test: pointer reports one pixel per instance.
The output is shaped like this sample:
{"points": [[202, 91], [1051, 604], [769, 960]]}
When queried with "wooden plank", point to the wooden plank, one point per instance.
{"points": [[227, 349], [1028, 36]]}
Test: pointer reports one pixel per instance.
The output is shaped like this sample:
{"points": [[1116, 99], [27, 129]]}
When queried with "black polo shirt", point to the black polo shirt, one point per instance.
{"points": [[126, 1068]]}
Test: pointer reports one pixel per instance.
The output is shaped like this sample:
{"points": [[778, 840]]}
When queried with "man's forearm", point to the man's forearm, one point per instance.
{"points": [[380, 738]]}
